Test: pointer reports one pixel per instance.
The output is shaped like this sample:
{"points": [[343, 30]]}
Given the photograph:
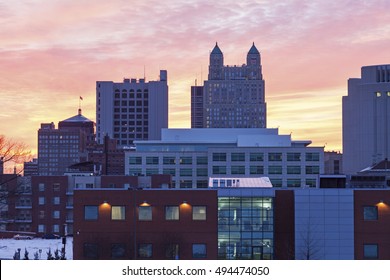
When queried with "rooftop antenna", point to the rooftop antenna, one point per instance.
{"points": [[80, 99], [144, 72], [201, 74]]}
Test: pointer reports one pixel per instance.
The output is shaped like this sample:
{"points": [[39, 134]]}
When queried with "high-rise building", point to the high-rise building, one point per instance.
{"points": [[366, 119], [60, 148], [30, 168], [197, 107], [233, 96], [132, 110]]}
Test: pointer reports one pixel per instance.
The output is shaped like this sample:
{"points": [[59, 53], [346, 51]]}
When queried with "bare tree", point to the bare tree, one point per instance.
{"points": [[309, 247], [13, 152], [11, 185]]}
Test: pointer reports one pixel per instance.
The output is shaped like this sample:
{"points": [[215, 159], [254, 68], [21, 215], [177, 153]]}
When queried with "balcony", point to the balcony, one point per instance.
{"points": [[23, 205], [69, 205], [69, 191], [23, 220]]}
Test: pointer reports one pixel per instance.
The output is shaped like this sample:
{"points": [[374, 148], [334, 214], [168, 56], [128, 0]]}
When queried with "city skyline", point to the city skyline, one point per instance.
{"points": [[54, 52]]}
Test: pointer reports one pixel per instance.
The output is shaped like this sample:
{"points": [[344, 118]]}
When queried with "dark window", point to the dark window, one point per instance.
{"points": [[118, 251], [370, 251], [172, 251], [145, 251], [238, 157], [275, 156], [256, 156], [199, 251], [91, 212], [91, 251], [219, 156], [370, 213]]}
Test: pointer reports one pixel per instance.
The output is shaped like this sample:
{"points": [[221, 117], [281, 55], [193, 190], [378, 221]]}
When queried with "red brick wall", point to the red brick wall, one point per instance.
{"points": [[374, 231], [284, 234], [159, 232]]}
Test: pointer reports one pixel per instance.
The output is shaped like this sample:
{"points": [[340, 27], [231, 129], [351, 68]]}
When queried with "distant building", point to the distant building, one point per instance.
{"points": [[366, 115], [109, 159], [1, 166], [132, 110], [191, 156], [30, 168], [233, 96], [60, 148], [333, 163], [197, 107], [376, 176], [43, 204]]}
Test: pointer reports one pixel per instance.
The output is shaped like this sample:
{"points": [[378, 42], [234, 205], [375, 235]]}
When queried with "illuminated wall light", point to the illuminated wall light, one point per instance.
{"points": [[145, 203]]}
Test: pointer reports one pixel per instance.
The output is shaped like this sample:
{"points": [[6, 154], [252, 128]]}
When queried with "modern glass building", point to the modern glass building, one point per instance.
{"points": [[245, 227]]}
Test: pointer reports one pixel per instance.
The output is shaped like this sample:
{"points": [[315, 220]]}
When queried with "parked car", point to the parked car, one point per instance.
{"points": [[51, 236], [22, 237]]}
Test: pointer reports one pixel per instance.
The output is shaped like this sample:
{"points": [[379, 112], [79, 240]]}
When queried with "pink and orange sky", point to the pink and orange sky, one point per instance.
{"points": [[52, 52]]}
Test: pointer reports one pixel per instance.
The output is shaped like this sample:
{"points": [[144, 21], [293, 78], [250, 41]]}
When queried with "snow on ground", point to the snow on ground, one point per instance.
{"points": [[8, 247]]}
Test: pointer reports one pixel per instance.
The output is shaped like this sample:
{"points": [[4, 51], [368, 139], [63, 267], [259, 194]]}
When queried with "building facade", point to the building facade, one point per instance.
{"points": [[233, 96], [132, 110], [191, 156], [232, 223], [60, 148], [197, 107], [366, 115]]}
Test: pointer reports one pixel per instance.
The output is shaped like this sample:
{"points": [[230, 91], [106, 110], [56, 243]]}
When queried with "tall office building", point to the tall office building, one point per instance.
{"points": [[60, 148], [366, 119], [132, 110], [197, 107], [233, 96]]}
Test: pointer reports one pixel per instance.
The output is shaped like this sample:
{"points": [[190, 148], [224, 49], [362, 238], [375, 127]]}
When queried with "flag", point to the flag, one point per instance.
{"points": [[81, 98]]}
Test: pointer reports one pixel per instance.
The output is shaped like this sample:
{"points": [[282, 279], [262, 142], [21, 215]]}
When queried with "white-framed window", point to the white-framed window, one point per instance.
{"points": [[41, 228], [56, 214], [145, 213], [41, 200], [118, 212], [56, 228], [56, 200], [199, 213], [171, 213]]}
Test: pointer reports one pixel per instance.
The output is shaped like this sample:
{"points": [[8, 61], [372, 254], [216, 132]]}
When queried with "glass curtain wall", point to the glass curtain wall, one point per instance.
{"points": [[245, 228]]}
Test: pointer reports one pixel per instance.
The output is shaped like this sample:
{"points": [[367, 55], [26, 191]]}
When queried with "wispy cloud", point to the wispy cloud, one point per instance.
{"points": [[53, 51]]}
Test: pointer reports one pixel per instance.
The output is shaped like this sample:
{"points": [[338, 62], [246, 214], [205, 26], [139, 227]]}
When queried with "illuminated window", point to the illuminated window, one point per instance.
{"points": [[171, 213], [378, 94], [199, 212], [145, 213], [118, 212]]}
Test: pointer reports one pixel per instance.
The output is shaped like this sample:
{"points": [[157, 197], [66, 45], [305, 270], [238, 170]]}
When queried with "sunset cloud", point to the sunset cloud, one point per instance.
{"points": [[52, 52]]}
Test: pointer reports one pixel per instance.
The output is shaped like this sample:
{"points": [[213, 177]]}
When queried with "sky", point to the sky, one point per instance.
{"points": [[53, 51]]}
